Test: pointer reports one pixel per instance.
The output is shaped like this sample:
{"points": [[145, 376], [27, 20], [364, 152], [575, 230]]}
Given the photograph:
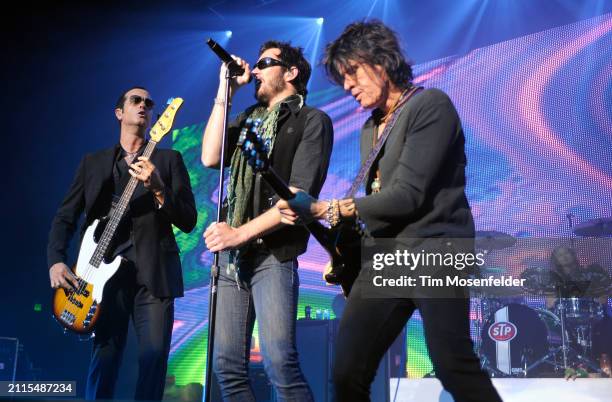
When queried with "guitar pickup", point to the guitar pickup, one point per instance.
{"points": [[76, 302], [82, 290], [67, 317]]}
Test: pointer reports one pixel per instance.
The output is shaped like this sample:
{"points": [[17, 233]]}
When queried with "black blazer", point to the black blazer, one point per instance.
{"points": [[155, 251], [422, 172], [301, 154]]}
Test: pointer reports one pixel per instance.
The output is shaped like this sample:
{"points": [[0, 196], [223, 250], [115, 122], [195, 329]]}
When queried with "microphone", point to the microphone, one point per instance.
{"points": [[225, 57]]}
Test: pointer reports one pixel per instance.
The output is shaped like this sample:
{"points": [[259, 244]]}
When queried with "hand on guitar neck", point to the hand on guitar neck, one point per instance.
{"points": [[341, 242], [302, 206], [307, 208], [145, 171]]}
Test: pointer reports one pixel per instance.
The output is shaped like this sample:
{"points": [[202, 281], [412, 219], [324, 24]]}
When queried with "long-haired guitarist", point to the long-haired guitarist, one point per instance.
{"points": [[148, 280], [414, 188]]}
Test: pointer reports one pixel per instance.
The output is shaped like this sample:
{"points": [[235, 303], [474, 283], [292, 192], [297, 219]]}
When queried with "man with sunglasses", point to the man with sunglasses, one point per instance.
{"points": [[258, 263], [150, 277]]}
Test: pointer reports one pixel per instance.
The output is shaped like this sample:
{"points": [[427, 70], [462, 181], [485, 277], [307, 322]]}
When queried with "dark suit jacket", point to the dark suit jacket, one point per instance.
{"points": [[422, 173], [155, 250]]}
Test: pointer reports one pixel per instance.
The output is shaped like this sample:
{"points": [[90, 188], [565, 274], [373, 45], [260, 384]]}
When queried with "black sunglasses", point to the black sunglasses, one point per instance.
{"points": [[269, 62], [148, 102]]}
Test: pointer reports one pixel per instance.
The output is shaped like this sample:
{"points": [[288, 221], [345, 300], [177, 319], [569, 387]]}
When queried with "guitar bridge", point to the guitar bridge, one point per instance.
{"points": [[67, 317]]}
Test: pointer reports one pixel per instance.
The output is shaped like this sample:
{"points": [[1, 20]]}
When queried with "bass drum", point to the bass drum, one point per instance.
{"points": [[516, 336]]}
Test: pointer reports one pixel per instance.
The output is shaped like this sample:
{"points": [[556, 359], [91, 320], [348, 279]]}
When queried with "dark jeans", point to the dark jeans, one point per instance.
{"points": [[152, 318], [369, 326], [269, 290]]}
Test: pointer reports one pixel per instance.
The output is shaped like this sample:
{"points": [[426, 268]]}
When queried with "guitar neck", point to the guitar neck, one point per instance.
{"points": [[320, 232], [117, 213], [278, 185]]}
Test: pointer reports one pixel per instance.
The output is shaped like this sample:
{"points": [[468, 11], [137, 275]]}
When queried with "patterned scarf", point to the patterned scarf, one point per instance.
{"points": [[240, 187]]}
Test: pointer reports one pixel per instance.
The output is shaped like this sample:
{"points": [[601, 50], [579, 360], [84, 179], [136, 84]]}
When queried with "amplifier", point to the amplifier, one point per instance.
{"points": [[315, 345]]}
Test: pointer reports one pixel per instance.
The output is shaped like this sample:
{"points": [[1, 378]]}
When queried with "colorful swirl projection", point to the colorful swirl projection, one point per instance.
{"points": [[537, 116]]}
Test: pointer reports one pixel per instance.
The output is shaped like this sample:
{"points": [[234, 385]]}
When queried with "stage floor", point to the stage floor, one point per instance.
{"points": [[511, 390]]}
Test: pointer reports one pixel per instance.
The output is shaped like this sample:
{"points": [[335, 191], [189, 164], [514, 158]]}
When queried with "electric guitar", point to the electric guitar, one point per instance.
{"points": [[341, 243], [78, 310]]}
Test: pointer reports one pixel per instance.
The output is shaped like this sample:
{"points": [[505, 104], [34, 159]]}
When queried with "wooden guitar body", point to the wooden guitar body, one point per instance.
{"points": [[78, 310]]}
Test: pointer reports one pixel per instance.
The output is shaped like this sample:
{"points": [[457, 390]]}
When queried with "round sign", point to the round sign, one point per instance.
{"points": [[502, 331]]}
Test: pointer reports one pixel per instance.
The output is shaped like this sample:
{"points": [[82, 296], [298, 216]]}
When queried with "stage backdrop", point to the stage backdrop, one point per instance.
{"points": [[537, 118]]}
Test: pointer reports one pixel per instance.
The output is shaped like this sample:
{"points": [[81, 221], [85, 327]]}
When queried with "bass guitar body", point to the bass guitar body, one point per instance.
{"points": [[78, 310]]}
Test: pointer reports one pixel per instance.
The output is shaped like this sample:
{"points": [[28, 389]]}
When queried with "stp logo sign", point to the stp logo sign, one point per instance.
{"points": [[502, 331]]}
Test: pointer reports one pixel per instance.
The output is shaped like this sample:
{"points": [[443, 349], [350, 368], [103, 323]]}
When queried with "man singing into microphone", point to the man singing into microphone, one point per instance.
{"points": [[258, 263]]}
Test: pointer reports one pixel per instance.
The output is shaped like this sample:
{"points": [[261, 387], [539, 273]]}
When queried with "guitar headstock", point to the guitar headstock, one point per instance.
{"points": [[253, 146], [165, 121]]}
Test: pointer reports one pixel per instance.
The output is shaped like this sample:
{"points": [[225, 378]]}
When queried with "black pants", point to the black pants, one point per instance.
{"points": [[152, 318], [369, 326]]}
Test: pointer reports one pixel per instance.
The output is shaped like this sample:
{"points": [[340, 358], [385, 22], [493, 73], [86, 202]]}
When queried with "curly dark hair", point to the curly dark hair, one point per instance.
{"points": [[372, 43], [293, 56]]}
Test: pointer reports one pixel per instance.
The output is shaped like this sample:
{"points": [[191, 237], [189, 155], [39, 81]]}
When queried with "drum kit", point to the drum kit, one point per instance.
{"points": [[520, 341]]}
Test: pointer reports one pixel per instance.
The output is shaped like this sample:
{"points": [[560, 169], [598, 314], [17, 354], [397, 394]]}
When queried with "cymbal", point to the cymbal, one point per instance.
{"points": [[493, 240], [600, 227], [539, 281], [546, 282], [498, 291], [599, 283], [597, 291]]}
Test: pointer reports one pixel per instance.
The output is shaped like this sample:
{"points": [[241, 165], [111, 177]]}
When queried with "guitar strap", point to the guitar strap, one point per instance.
{"points": [[374, 153]]}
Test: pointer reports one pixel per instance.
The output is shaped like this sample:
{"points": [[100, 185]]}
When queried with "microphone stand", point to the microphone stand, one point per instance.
{"points": [[214, 269]]}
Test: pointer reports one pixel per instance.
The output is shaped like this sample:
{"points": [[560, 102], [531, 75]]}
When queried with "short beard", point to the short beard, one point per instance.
{"points": [[265, 97]]}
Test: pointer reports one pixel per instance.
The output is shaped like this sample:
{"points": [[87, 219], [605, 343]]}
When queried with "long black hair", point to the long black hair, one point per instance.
{"points": [[368, 42]]}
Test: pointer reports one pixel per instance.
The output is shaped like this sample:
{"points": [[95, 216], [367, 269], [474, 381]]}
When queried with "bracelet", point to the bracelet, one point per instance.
{"points": [[332, 216]]}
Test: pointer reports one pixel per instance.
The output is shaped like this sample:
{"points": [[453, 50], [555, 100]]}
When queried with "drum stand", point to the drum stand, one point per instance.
{"points": [[553, 353], [566, 349], [551, 356]]}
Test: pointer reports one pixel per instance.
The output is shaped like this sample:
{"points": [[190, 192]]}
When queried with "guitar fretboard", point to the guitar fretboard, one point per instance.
{"points": [[117, 213]]}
